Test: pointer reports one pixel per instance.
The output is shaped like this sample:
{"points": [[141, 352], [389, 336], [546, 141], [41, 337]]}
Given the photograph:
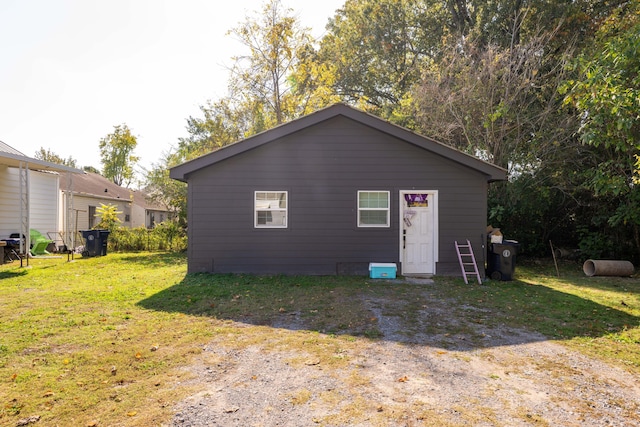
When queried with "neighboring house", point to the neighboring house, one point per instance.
{"points": [[331, 192], [91, 190], [29, 196]]}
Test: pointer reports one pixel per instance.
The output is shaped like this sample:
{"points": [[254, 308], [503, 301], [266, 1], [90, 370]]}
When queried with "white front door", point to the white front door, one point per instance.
{"points": [[418, 246]]}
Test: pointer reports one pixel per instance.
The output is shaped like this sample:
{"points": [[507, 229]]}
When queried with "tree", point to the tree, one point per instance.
{"points": [[259, 80], [90, 169], [221, 123], [313, 82], [49, 156], [263, 92], [108, 215], [606, 99], [166, 191], [500, 103], [376, 49], [117, 158]]}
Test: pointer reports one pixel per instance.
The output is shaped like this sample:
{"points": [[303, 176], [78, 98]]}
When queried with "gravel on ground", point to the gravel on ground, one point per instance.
{"points": [[486, 376]]}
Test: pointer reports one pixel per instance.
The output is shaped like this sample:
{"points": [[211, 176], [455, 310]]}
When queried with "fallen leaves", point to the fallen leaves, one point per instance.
{"points": [[403, 379]]}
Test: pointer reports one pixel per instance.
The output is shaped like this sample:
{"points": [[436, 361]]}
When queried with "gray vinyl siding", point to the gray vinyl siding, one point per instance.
{"points": [[323, 167]]}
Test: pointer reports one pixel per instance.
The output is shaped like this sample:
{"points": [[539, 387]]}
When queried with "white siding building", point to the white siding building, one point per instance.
{"points": [[29, 196]]}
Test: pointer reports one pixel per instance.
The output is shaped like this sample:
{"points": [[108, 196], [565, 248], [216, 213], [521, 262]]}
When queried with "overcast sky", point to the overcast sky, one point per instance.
{"points": [[70, 70]]}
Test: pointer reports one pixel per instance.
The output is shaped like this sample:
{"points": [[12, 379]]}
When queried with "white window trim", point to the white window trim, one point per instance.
{"points": [[387, 209], [285, 210]]}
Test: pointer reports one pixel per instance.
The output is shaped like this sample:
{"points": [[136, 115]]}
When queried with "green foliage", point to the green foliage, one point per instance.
{"points": [[116, 153], [166, 191], [607, 91], [91, 169], [222, 123], [606, 96], [166, 236], [532, 214], [109, 219], [49, 156], [313, 82], [259, 81], [378, 49], [595, 244]]}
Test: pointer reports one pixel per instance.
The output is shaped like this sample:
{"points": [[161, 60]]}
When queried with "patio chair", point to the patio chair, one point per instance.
{"points": [[39, 243]]}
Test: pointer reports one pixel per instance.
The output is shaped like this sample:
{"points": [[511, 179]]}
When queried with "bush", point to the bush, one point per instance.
{"points": [[166, 236]]}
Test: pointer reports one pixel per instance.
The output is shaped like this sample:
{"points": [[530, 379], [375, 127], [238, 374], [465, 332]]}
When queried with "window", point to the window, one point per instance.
{"points": [[92, 216], [373, 209], [270, 209]]}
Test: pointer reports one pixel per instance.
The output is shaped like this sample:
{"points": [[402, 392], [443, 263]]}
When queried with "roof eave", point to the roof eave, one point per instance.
{"points": [[15, 160]]}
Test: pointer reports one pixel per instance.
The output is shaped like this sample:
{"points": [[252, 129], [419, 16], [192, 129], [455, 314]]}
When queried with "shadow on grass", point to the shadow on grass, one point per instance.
{"points": [[446, 314], [11, 274], [155, 259]]}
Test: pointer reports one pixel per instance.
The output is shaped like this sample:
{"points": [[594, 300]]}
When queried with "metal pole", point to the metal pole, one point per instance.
{"points": [[25, 212]]}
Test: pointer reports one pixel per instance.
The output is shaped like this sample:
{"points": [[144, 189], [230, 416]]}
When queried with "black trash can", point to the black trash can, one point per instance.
{"points": [[104, 237], [95, 242], [501, 262]]}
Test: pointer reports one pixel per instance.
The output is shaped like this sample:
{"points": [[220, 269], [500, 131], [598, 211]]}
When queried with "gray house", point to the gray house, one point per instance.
{"points": [[331, 192]]}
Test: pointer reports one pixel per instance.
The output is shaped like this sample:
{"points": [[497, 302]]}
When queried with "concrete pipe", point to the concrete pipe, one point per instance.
{"points": [[599, 267]]}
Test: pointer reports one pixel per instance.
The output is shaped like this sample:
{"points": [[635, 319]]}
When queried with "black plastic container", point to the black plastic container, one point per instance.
{"points": [[501, 262]]}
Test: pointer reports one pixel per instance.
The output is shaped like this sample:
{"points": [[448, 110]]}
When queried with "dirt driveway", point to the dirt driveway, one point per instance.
{"points": [[477, 375]]}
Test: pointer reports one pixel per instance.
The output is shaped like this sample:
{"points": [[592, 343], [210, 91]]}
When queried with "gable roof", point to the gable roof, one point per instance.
{"points": [[11, 157], [97, 186], [493, 172]]}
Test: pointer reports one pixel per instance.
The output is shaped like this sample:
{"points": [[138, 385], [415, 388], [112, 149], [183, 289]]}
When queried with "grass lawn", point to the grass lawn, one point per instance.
{"points": [[101, 341]]}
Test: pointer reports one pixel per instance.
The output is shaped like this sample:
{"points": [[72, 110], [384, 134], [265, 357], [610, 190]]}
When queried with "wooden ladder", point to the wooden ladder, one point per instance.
{"points": [[467, 261]]}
